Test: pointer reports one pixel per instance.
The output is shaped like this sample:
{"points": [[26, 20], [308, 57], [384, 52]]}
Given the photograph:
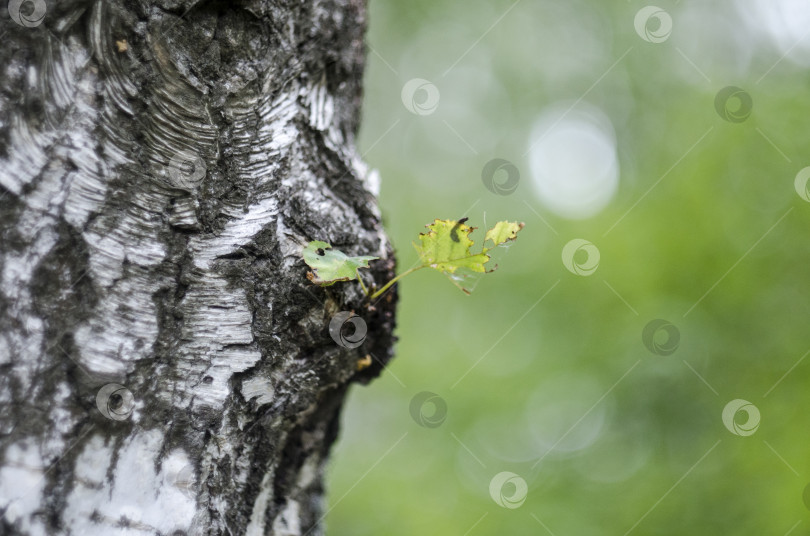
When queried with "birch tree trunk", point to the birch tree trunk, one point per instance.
{"points": [[166, 366]]}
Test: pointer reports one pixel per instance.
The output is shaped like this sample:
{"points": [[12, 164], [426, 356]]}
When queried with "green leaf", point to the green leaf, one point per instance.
{"points": [[503, 232], [446, 247], [332, 265]]}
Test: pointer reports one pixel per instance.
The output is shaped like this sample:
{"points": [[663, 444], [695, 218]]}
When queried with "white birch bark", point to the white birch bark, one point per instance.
{"points": [[166, 366]]}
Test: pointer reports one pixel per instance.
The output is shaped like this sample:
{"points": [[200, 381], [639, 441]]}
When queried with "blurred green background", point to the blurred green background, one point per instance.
{"points": [[614, 124]]}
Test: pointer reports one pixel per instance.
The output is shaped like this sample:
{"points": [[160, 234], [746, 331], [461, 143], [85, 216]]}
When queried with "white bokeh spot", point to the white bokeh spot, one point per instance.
{"points": [[573, 161]]}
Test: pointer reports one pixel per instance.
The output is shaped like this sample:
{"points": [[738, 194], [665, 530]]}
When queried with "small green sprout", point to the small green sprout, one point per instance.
{"points": [[332, 265], [445, 247]]}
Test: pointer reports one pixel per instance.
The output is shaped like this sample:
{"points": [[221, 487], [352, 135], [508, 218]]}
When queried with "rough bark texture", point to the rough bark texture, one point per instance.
{"points": [[162, 164]]}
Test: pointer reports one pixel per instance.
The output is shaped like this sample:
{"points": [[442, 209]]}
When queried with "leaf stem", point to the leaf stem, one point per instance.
{"points": [[397, 278], [360, 280]]}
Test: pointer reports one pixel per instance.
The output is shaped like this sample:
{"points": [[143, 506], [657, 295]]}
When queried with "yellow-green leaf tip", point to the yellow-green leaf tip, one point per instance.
{"points": [[503, 231]]}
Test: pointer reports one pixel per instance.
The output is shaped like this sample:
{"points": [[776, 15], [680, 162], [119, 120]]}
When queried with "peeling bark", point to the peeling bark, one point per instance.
{"points": [[166, 366]]}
